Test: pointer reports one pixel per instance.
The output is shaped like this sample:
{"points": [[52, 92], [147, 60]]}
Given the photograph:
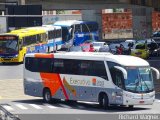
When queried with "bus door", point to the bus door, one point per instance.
{"points": [[118, 81], [22, 50], [79, 36]]}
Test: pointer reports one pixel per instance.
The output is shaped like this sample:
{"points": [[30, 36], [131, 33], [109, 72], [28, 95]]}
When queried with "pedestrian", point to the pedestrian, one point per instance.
{"points": [[129, 50], [91, 48], [118, 50]]}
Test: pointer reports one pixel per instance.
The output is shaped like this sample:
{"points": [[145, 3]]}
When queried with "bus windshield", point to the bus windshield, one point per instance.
{"points": [[8, 46], [139, 79]]}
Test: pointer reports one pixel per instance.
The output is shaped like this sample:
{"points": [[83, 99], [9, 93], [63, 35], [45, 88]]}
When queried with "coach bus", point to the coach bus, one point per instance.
{"points": [[97, 77], [75, 32], [15, 44]]}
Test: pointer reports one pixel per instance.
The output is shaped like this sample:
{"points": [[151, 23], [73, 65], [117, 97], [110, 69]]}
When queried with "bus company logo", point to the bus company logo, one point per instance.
{"points": [[94, 81]]}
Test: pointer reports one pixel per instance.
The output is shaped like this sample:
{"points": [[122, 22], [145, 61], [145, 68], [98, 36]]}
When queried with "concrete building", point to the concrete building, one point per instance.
{"points": [[91, 10]]}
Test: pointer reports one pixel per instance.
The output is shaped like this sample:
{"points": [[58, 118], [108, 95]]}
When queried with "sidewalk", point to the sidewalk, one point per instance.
{"points": [[12, 89]]}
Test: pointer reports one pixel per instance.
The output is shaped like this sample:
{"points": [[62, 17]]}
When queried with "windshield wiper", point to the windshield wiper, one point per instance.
{"points": [[136, 85], [144, 82]]}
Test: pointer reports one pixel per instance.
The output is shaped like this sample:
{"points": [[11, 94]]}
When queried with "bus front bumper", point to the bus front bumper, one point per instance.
{"points": [[138, 99], [8, 60]]}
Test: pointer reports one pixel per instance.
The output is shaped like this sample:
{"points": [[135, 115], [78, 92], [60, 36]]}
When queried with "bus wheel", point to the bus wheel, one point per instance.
{"points": [[47, 97], [103, 101]]}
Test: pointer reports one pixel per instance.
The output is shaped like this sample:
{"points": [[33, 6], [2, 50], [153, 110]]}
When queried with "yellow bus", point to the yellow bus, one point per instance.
{"points": [[15, 44]]}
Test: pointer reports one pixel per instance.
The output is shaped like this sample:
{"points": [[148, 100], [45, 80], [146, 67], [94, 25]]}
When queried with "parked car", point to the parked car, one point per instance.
{"points": [[130, 41], [98, 45], [105, 48], [87, 47], [152, 46], [125, 47], [112, 47], [90, 41], [75, 49], [140, 50]]}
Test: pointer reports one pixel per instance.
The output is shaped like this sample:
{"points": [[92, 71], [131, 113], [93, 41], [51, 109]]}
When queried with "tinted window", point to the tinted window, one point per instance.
{"points": [[92, 27], [77, 28], [31, 64], [58, 66], [65, 34], [30, 40], [99, 69], [84, 28], [117, 76], [54, 34], [66, 66], [38, 64], [140, 46]]}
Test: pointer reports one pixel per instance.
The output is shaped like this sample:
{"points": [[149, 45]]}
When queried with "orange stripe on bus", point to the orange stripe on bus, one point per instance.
{"points": [[51, 81], [42, 55]]}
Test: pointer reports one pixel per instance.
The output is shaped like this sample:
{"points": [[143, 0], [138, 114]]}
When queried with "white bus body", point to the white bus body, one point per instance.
{"points": [[54, 36], [85, 76]]}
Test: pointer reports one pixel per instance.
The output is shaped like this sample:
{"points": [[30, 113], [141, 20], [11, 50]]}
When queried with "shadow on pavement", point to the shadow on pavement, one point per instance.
{"points": [[82, 106], [10, 64]]}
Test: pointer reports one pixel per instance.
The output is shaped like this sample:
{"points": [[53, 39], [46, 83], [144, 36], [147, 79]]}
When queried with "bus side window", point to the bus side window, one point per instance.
{"points": [[38, 38], [58, 66], [71, 66], [44, 37], [84, 67], [20, 44], [84, 28], [28, 40], [45, 65], [32, 64], [77, 28], [65, 33], [99, 69]]}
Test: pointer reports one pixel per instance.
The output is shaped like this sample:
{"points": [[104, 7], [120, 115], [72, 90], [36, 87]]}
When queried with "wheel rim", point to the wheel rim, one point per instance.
{"points": [[103, 102], [47, 96]]}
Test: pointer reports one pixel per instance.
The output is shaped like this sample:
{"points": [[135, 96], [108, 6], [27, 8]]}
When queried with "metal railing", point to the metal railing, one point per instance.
{"points": [[5, 115]]}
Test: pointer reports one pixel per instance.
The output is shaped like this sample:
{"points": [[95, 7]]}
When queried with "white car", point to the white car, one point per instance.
{"points": [[98, 45], [130, 41]]}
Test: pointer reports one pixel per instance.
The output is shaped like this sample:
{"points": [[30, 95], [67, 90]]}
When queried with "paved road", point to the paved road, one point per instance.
{"points": [[11, 71], [33, 107]]}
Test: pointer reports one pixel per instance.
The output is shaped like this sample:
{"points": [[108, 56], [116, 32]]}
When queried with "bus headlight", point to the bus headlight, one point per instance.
{"points": [[16, 55]]}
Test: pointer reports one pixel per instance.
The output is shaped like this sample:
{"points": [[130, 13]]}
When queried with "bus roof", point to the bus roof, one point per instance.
{"points": [[120, 59], [27, 31], [46, 27], [70, 22]]}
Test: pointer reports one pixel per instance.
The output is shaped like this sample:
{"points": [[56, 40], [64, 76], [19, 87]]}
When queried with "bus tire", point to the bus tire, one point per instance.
{"points": [[47, 97], [103, 101]]}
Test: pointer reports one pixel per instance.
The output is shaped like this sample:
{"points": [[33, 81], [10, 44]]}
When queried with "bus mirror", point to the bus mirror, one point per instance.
{"points": [[123, 71], [157, 72]]}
